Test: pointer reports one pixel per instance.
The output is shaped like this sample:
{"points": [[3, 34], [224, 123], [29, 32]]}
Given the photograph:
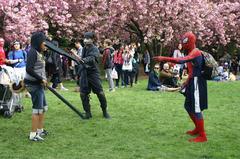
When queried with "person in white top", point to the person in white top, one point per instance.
{"points": [[127, 66], [177, 54]]}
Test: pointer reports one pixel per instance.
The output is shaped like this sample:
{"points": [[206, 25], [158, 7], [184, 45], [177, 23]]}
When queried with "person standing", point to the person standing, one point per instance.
{"points": [[28, 45], [128, 66], [118, 63], [90, 76], [56, 69], [177, 54], [195, 88], [146, 62], [136, 61], [35, 82], [108, 63], [3, 59]]}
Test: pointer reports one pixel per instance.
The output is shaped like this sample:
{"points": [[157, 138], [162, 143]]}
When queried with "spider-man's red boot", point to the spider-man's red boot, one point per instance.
{"points": [[202, 135], [195, 130]]}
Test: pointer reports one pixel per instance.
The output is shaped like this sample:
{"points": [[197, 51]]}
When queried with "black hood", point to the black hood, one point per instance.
{"points": [[89, 35], [37, 39]]}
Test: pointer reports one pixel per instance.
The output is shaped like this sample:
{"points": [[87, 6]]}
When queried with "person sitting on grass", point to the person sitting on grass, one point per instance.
{"points": [[154, 83], [168, 77]]}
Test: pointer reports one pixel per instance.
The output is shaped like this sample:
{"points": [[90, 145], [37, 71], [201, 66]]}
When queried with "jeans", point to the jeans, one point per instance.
{"points": [[109, 78]]}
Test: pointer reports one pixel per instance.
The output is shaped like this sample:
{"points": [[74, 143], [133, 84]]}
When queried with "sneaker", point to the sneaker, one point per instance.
{"points": [[64, 89], [112, 90], [36, 138], [43, 133], [27, 95]]}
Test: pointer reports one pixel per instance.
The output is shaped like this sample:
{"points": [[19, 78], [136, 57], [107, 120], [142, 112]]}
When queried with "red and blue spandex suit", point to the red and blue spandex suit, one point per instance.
{"points": [[195, 86]]}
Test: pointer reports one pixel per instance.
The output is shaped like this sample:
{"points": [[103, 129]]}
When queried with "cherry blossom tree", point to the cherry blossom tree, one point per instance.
{"points": [[19, 18], [153, 22]]}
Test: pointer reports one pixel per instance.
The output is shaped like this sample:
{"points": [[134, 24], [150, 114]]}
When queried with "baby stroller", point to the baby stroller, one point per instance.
{"points": [[10, 101]]}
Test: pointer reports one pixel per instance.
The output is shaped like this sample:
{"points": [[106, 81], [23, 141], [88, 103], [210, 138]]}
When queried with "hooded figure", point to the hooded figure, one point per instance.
{"points": [[36, 65], [90, 77], [195, 87], [35, 81]]}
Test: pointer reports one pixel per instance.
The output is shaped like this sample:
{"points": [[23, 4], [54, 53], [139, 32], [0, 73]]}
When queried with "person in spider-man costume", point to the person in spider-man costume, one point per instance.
{"points": [[195, 87]]}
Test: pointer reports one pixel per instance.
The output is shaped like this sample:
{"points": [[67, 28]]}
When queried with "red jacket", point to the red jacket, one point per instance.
{"points": [[2, 56], [118, 59], [107, 60]]}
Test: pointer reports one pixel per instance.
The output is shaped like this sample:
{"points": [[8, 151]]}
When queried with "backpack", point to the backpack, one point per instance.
{"points": [[209, 66], [49, 59]]}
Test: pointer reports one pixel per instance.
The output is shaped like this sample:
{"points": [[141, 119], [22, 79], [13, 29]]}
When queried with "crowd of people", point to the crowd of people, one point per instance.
{"points": [[121, 61]]}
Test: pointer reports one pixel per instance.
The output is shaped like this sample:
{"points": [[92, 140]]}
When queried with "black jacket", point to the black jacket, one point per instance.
{"points": [[90, 56]]}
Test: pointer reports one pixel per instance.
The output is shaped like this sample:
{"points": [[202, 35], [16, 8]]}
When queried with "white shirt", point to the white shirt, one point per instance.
{"points": [[177, 54]]}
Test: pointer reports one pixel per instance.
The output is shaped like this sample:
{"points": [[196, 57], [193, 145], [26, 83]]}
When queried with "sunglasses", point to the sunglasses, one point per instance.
{"points": [[156, 67], [185, 40]]}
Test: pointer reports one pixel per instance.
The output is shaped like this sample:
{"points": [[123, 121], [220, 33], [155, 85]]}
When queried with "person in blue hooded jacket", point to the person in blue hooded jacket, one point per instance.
{"points": [[18, 58]]}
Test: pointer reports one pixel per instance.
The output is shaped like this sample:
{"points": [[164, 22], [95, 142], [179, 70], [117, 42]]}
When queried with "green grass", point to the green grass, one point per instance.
{"points": [[144, 125]]}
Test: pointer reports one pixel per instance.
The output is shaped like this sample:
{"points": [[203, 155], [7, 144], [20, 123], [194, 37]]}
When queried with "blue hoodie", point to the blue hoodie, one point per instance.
{"points": [[18, 54]]}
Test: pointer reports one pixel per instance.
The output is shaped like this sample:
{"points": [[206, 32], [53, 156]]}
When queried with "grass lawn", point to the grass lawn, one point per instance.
{"points": [[144, 125]]}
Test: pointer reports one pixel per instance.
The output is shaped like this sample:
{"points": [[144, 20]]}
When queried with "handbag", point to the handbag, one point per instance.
{"points": [[114, 74]]}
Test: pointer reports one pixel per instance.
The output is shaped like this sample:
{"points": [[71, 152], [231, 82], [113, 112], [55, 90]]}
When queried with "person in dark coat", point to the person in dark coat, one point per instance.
{"points": [[56, 69], [195, 88], [90, 76]]}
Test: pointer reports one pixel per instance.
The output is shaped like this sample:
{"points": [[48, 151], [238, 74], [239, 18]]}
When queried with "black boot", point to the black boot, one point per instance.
{"points": [[103, 102], [87, 115], [106, 115], [86, 105]]}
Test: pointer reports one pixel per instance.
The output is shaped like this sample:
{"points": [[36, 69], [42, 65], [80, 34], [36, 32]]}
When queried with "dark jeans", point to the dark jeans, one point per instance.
{"points": [[181, 73], [128, 75], [136, 73], [170, 82], [56, 79], [118, 68]]}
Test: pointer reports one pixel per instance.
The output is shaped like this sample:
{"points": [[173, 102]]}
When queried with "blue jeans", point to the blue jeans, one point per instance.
{"points": [[39, 104]]}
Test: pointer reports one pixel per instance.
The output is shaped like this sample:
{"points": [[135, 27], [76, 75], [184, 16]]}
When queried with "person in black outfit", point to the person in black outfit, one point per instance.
{"points": [[90, 76], [56, 69], [136, 62]]}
